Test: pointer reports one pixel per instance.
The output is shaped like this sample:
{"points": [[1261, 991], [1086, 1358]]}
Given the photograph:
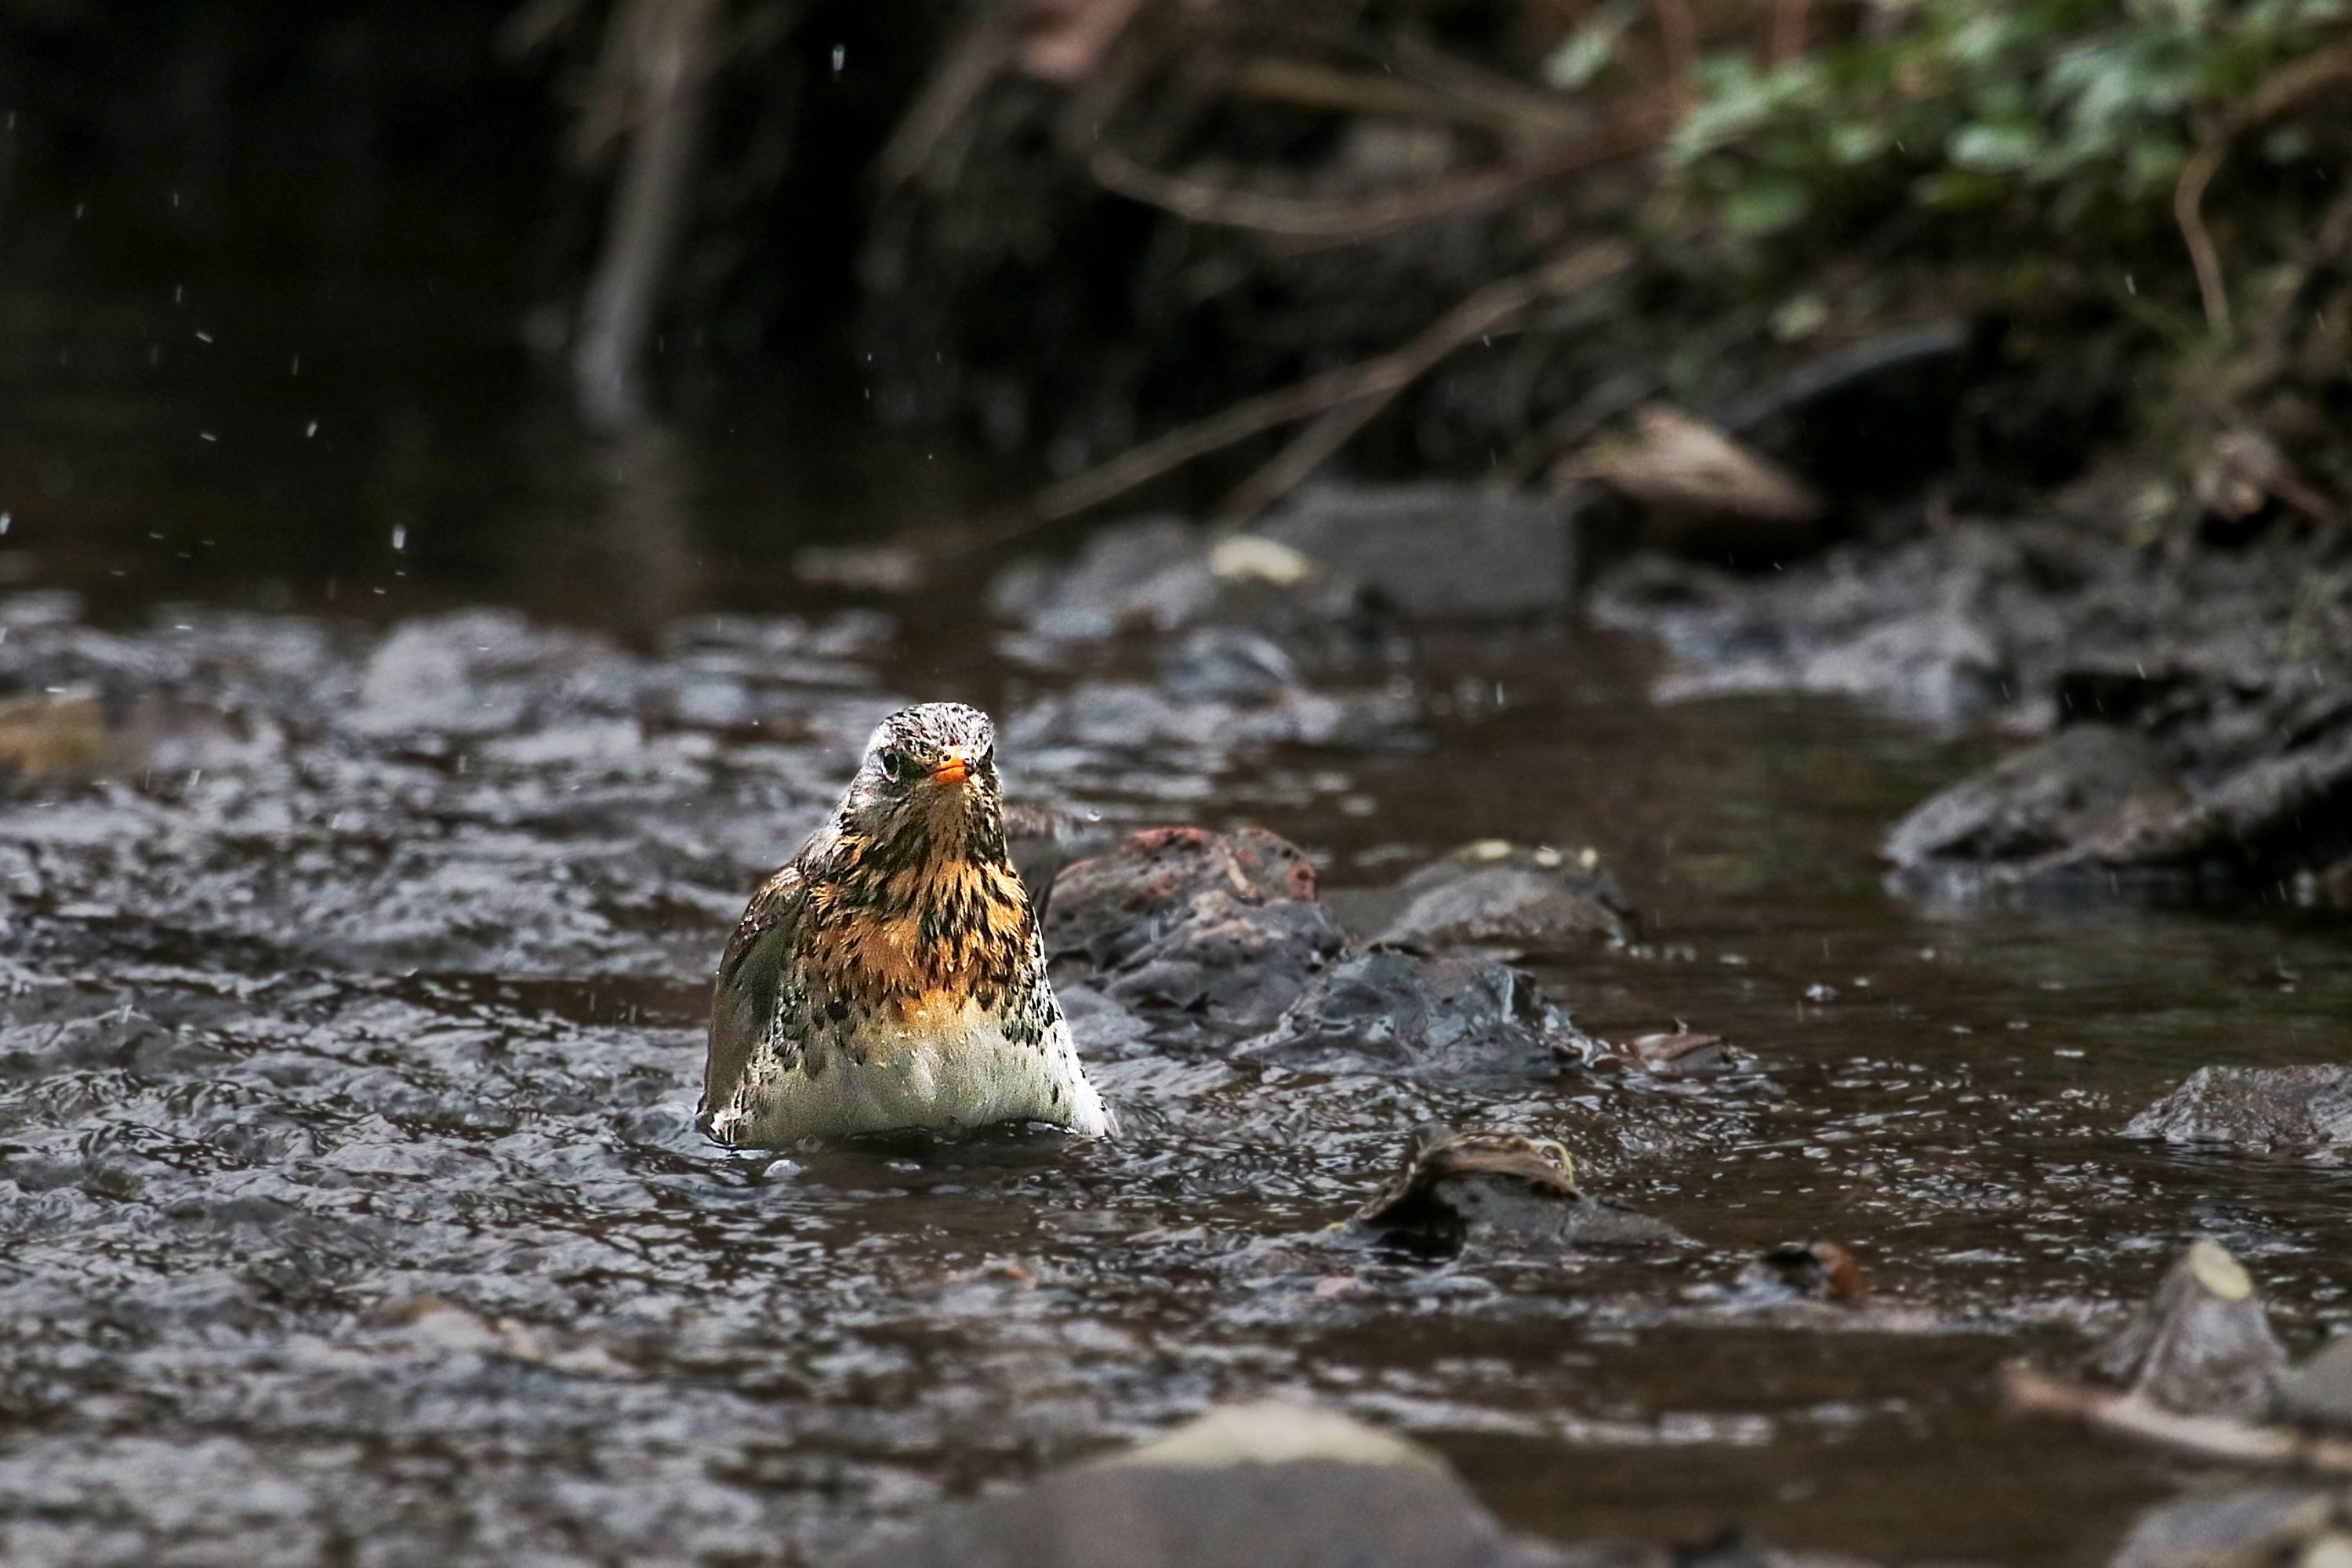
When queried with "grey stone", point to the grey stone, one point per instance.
{"points": [[2202, 1343], [2302, 1110], [1438, 551], [1392, 1012], [2319, 1392], [2087, 782]]}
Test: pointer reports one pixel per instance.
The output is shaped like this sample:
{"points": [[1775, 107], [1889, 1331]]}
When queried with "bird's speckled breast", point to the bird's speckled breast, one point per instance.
{"points": [[887, 937]]}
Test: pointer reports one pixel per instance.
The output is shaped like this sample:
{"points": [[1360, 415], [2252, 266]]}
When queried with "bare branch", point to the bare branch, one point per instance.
{"points": [[2206, 1436], [1492, 309], [1368, 218], [2282, 91], [1346, 398]]}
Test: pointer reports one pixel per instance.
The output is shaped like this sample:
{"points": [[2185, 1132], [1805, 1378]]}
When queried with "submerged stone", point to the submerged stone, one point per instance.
{"points": [[1389, 1012]]}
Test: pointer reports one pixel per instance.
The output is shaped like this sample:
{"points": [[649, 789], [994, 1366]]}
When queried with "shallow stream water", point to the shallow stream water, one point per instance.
{"points": [[350, 1026]]}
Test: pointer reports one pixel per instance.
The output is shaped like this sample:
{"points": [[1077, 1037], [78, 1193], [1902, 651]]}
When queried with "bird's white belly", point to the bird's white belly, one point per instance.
{"points": [[942, 1074]]}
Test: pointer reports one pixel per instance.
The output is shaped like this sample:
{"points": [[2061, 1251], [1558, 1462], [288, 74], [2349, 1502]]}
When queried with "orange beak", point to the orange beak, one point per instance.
{"points": [[954, 771]]}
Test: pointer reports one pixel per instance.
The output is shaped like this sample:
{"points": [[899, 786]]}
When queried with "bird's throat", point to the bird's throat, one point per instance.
{"points": [[890, 933]]}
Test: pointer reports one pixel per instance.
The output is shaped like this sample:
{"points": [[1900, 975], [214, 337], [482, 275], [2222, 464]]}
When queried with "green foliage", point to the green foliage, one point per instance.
{"points": [[2072, 114]]}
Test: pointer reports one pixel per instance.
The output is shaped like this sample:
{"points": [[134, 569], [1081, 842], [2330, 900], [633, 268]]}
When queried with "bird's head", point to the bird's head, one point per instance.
{"points": [[927, 784]]}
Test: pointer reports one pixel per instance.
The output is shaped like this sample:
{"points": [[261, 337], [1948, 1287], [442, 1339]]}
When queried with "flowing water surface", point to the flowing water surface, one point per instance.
{"points": [[350, 1028]]}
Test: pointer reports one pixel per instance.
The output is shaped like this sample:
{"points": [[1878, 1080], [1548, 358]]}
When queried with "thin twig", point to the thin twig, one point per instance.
{"points": [[983, 48], [1490, 310], [1373, 381], [1251, 416], [2189, 212], [1312, 84], [2280, 91], [2207, 1437], [1368, 218]]}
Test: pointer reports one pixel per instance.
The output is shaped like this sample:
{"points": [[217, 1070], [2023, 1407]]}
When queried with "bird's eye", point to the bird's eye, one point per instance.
{"points": [[896, 765]]}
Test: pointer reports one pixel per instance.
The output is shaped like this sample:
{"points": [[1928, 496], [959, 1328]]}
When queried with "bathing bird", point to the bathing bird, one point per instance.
{"points": [[890, 976]]}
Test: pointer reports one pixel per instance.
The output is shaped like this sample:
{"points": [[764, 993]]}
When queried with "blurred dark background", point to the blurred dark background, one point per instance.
{"points": [[820, 271]]}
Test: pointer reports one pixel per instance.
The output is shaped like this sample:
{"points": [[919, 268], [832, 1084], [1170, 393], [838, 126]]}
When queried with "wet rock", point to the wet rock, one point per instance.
{"points": [[1911, 628], [476, 672], [1685, 1053], [2087, 784], [2292, 1110], [1226, 926], [1816, 1271], [1391, 1012], [2202, 1343], [2318, 1392], [1483, 1181], [1104, 1030], [1228, 664], [1137, 717], [1151, 573], [2233, 668], [1162, 575], [2257, 1527], [1243, 1485], [1109, 903], [1510, 900], [1437, 552]]}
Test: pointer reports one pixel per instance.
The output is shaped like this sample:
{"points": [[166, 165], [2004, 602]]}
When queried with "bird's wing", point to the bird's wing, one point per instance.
{"points": [[751, 978]]}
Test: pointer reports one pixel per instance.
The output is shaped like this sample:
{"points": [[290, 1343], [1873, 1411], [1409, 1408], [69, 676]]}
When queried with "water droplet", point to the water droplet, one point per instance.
{"points": [[399, 536], [311, 429], [840, 57]]}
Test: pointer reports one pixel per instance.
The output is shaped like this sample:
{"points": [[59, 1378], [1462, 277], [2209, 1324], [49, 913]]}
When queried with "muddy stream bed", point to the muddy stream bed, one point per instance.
{"points": [[351, 1208]]}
